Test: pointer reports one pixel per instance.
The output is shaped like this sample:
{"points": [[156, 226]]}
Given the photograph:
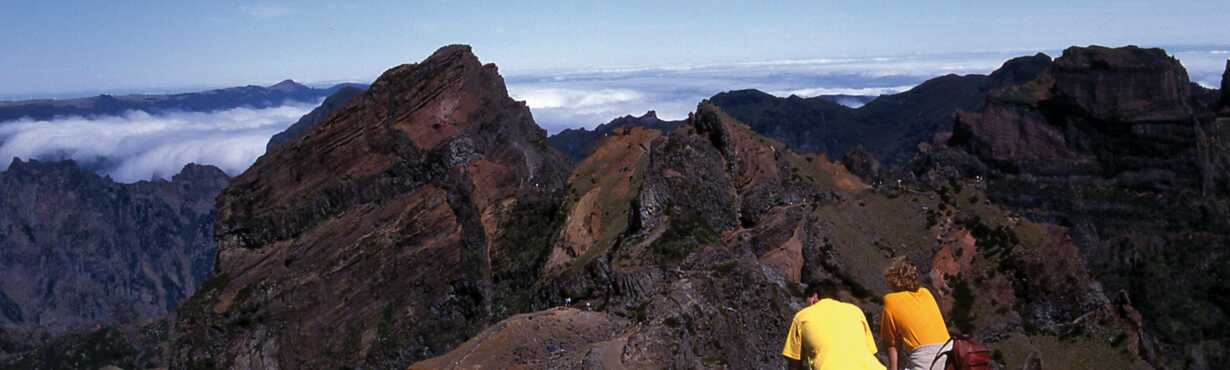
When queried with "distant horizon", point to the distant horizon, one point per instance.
{"points": [[1174, 49]]}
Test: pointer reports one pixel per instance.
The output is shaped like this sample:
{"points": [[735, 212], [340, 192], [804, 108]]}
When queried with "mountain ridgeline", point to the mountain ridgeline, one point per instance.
{"points": [[890, 127], [579, 142], [211, 100]]}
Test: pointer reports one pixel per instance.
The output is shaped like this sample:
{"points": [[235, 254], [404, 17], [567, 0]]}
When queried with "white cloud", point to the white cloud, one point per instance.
{"points": [[865, 91], [572, 98], [139, 146]]}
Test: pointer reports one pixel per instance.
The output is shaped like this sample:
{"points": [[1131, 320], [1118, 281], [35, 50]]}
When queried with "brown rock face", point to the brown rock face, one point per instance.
{"points": [[390, 232], [689, 248], [77, 249]]}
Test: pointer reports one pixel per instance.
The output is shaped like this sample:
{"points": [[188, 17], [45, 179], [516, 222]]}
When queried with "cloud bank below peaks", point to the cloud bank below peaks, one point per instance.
{"points": [[139, 146]]}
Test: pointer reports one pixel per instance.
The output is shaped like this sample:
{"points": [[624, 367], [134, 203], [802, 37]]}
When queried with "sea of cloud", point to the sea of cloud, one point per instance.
{"points": [[141, 146], [587, 98]]}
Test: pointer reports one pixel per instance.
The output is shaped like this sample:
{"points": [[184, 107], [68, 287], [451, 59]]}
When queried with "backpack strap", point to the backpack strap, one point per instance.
{"points": [[941, 352]]}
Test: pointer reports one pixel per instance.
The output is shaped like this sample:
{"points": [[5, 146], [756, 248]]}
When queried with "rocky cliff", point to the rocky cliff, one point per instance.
{"points": [[1111, 144], [77, 249], [394, 230]]}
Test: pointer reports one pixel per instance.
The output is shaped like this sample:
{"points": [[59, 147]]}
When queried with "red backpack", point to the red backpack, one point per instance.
{"points": [[966, 354]]}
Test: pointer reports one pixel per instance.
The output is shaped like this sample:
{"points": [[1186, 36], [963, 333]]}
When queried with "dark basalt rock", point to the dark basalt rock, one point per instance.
{"points": [[1019, 70], [1113, 144], [1224, 102], [862, 163], [1126, 84]]}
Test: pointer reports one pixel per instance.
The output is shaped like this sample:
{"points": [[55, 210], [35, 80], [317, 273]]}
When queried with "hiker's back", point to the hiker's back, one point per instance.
{"points": [[914, 317], [837, 333]]}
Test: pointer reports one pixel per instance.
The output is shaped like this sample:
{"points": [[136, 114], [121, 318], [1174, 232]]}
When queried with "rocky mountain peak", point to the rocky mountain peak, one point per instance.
{"points": [[1123, 84], [420, 203], [197, 172], [1019, 70], [288, 85]]}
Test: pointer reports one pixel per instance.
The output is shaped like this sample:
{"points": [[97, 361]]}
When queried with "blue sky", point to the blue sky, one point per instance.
{"points": [[67, 46]]}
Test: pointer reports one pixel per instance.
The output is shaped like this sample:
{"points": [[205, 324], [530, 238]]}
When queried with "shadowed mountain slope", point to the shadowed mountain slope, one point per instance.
{"points": [[77, 249], [1115, 145]]}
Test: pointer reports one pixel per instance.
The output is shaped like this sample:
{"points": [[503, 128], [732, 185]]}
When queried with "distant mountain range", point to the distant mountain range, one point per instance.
{"points": [[209, 100], [889, 126], [577, 143]]}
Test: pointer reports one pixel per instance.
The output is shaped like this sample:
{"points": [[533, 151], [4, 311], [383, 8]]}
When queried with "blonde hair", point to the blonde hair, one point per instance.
{"points": [[901, 275]]}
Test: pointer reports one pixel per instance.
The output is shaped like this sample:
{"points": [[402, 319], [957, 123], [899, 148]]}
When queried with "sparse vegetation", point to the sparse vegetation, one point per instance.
{"points": [[687, 232]]}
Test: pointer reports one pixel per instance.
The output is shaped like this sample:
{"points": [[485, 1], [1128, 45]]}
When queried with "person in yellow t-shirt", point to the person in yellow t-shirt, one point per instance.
{"points": [[911, 319], [830, 334]]}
